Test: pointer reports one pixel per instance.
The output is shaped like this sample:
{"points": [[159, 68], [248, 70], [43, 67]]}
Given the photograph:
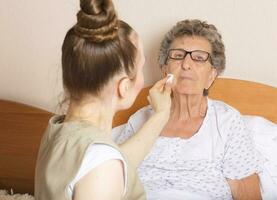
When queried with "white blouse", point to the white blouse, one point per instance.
{"points": [[222, 148]]}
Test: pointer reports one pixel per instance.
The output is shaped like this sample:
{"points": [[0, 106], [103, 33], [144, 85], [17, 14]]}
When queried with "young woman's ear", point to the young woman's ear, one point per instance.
{"points": [[124, 86]]}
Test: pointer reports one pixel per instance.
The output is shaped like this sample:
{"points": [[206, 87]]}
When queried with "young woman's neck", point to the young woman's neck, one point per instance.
{"points": [[94, 111], [186, 107]]}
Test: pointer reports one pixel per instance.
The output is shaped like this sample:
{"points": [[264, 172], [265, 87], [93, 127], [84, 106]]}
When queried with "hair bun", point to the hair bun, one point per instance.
{"points": [[97, 20]]}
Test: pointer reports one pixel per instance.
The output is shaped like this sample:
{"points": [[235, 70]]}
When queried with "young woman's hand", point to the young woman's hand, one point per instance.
{"points": [[159, 96]]}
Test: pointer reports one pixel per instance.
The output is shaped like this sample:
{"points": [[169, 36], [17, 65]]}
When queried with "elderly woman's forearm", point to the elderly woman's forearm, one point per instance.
{"points": [[246, 188]]}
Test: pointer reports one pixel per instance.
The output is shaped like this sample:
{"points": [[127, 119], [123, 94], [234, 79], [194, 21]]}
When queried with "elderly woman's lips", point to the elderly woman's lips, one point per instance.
{"points": [[186, 78]]}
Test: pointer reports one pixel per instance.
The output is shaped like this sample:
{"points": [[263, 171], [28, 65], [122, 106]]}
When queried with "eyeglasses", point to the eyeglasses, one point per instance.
{"points": [[196, 55]]}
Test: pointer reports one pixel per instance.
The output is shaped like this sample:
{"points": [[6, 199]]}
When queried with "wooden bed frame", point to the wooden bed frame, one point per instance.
{"points": [[21, 126]]}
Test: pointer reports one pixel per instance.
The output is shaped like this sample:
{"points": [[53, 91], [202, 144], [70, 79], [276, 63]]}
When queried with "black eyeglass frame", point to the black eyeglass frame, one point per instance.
{"points": [[185, 54]]}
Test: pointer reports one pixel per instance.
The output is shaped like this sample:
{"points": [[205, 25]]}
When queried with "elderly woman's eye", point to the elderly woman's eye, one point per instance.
{"points": [[177, 55], [199, 58]]}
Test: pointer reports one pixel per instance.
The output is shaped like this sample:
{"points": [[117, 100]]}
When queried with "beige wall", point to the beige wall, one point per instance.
{"points": [[32, 32]]}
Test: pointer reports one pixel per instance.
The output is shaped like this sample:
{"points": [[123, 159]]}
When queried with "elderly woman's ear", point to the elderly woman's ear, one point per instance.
{"points": [[211, 78], [164, 70]]}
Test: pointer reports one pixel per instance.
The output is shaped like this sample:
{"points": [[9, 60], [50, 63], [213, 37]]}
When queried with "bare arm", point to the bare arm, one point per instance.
{"points": [[138, 146], [246, 188], [104, 182]]}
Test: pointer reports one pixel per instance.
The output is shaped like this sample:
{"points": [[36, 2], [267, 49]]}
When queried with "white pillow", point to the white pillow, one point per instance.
{"points": [[264, 133]]}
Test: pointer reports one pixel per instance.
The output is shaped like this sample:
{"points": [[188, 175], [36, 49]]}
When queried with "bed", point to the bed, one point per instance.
{"points": [[22, 126]]}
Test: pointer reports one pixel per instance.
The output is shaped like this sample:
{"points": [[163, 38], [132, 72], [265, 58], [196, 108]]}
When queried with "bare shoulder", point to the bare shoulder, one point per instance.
{"points": [[104, 182]]}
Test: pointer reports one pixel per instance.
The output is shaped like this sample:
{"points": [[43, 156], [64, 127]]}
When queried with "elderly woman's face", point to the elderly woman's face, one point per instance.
{"points": [[193, 72]]}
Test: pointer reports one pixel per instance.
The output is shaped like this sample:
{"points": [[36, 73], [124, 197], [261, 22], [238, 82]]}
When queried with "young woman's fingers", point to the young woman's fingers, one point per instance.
{"points": [[160, 84], [168, 87]]}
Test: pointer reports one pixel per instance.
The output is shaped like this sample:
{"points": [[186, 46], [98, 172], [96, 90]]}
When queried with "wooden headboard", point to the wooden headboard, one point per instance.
{"points": [[21, 126]]}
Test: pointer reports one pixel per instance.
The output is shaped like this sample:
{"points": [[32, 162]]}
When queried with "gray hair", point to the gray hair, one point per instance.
{"points": [[199, 28]]}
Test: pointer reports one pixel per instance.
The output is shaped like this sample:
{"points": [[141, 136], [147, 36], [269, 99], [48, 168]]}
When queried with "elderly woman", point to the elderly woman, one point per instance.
{"points": [[204, 148]]}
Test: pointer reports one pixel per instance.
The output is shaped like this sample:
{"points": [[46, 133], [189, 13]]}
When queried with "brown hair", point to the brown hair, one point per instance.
{"points": [[96, 49]]}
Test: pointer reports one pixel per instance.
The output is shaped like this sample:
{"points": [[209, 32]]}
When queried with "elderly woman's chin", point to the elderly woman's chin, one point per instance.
{"points": [[186, 90]]}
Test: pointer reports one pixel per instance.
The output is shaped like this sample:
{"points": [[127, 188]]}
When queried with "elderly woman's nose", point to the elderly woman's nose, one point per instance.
{"points": [[186, 62]]}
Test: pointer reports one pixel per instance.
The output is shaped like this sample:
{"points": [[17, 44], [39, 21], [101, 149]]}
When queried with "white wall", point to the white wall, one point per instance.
{"points": [[32, 32]]}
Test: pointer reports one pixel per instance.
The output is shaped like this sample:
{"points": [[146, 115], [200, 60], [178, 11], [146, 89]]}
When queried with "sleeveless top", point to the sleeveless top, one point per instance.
{"points": [[61, 153]]}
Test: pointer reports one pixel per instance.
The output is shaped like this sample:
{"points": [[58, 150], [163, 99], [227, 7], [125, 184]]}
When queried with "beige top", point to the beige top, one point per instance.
{"points": [[62, 149]]}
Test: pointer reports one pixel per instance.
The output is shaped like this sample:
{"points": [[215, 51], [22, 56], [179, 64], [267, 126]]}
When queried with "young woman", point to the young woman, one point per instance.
{"points": [[102, 62]]}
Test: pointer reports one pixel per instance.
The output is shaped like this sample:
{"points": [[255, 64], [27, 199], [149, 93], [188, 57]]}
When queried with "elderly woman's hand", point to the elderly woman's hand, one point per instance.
{"points": [[159, 96]]}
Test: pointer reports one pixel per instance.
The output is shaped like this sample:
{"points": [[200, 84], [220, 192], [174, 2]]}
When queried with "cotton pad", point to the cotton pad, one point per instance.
{"points": [[169, 78]]}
